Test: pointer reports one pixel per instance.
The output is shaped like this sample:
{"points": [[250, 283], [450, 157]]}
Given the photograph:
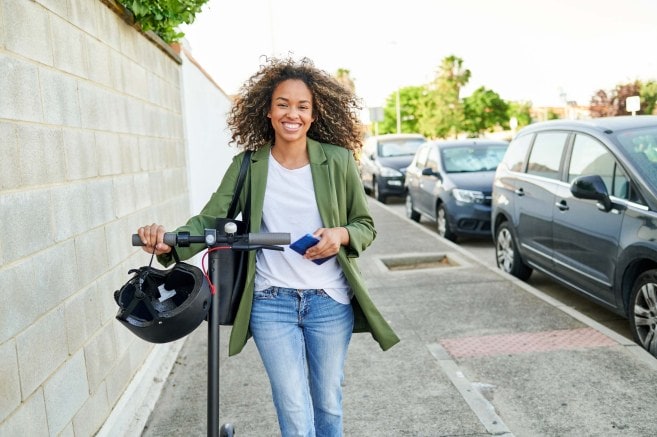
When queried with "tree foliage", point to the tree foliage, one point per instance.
{"points": [[441, 111], [409, 102], [344, 77], [649, 96], [612, 104], [522, 112], [164, 16], [484, 110]]}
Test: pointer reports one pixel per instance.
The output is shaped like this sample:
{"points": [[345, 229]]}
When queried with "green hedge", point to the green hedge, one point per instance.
{"points": [[164, 16]]}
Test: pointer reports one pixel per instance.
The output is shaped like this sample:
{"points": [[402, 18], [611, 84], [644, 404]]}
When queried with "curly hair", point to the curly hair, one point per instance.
{"points": [[335, 107]]}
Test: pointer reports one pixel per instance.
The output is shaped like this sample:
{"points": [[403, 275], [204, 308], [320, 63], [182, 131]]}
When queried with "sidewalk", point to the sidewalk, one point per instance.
{"points": [[480, 354]]}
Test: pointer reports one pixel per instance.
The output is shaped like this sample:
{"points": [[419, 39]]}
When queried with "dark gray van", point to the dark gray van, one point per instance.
{"points": [[577, 200]]}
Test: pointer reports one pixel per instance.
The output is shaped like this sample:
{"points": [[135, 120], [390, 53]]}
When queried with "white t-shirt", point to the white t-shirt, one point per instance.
{"points": [[290, 206]]}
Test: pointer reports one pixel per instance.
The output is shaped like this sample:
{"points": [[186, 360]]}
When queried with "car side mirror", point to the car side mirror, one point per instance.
{"points": [[591, 187], [429, 172]]}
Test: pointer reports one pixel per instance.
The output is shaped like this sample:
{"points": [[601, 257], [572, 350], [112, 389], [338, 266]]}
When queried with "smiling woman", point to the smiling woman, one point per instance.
{"points": [[302, 178]]}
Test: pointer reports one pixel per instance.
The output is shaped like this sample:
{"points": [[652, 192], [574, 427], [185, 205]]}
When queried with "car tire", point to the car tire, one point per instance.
{"points": [[643, 311], [411, 213], [443, 226], [376, 192], [506, 253]]}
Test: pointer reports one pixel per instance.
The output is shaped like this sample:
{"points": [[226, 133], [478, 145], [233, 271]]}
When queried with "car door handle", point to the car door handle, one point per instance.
{"points": [[519, 192], [562, 205]]}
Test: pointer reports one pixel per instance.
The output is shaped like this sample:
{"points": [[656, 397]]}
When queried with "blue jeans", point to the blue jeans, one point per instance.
{"points": [[302, 337]]}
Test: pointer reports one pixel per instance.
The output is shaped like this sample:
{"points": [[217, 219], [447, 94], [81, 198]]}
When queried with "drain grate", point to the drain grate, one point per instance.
{"points": [[414, 262]]}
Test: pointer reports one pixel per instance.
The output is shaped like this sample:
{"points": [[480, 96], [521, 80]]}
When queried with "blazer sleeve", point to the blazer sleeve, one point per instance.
{"points": [[360, 223], [217, 206]]}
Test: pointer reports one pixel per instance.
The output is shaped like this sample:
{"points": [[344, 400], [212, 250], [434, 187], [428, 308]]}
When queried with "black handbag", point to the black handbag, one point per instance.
{"points": [[230, 302]]}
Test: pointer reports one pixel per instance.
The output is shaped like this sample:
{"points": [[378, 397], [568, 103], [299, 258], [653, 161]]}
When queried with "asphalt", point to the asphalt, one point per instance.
{"points": [[481, 353]]}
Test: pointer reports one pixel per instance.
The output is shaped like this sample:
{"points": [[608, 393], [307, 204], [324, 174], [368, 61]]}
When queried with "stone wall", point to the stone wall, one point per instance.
{"points": [[91, 147]]}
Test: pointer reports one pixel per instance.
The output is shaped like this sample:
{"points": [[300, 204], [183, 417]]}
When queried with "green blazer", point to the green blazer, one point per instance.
{"points": [[341, 201]]}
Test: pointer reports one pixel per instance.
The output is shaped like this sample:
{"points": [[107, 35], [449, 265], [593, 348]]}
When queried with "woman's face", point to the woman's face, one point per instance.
{"points": [[291, 111]]}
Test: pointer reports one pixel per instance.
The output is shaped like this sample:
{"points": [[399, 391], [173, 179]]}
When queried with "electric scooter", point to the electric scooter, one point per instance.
{"points": [[220, 242]]}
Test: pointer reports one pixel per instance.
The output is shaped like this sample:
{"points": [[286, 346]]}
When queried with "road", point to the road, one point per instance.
{"points": [[484, 251]]}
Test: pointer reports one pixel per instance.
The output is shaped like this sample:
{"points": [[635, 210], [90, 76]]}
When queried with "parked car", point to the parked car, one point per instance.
{"points": [[577, 200], [450, 182], [383, 163]]}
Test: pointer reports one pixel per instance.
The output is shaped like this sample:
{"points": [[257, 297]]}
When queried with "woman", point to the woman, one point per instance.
{"points": [[303, 129]]}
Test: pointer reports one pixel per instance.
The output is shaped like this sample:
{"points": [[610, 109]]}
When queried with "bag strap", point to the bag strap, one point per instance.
{"points": [[238, 186]]}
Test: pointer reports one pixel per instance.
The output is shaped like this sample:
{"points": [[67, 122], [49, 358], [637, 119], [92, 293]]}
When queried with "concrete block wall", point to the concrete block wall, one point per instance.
{"points": [[91, 147]]}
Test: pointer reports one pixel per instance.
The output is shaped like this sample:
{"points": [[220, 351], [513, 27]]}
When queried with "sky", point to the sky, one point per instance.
{"points": [[543, 51]]}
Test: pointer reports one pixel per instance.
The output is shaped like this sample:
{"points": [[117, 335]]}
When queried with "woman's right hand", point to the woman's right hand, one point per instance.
{"points": [[153, 238]]}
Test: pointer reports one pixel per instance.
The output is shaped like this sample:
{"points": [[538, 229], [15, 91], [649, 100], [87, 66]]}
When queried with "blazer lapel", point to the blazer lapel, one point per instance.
{"points": [[324, 194], [259, 168]]}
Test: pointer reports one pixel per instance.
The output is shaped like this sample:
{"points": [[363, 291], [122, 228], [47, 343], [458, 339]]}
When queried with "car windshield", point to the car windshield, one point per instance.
{"points": [[641, 148], [399, 147], [472, 159]]}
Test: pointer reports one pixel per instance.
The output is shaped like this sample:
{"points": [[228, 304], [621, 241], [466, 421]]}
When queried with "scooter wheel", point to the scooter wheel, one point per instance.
{"points": [[227, 430]]}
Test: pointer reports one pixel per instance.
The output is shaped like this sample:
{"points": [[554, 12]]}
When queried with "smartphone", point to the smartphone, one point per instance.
{"points": [[306, 242]]}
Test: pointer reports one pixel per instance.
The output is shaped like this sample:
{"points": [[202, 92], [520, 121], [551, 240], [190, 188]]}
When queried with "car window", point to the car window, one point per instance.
{"points": [[399, 147], [514, 158], [472, 159], [640, 146], [545, 155], [590, 157], [432, 159], [421, 157]]}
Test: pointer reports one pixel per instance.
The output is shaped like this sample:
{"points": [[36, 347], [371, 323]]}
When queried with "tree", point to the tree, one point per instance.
{"points": [[521, 111], [601, 105], [613, 104], [409, 100], [344, 77], [441, 110], [483, 110], [649, 97]]}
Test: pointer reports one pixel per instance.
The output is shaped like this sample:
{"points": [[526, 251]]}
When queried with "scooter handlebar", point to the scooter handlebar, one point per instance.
{"points": [[170, 239], [262, 239], [270, 238]]}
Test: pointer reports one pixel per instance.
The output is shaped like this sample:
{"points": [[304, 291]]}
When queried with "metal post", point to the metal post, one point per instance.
{"points": [[221, 266], [213, 346]]}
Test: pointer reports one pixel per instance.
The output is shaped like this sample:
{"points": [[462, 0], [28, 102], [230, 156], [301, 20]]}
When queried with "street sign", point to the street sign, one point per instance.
{"points": [[376, 114], [633, 104]]}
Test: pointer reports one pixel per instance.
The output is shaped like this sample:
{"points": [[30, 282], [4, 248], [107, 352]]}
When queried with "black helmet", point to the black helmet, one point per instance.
{"points": [[163, 305]]}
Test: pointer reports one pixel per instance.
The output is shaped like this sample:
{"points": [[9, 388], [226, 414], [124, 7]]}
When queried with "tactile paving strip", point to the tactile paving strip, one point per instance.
{"points": [[528, 342]]}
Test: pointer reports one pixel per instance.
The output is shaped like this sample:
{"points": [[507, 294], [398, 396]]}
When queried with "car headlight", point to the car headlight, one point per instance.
{"points": [[468, 196], [390, 172]]}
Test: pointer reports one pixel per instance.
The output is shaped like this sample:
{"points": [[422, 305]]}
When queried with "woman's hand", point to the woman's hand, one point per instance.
{"points": [[330, 240], [153, 238]]}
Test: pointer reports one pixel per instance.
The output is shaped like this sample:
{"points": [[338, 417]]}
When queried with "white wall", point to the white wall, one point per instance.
{"points": [[91, 147], [205, 107]]}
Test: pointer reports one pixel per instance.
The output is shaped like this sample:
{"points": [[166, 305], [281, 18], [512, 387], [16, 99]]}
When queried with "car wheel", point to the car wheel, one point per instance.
{"points": [[643, 311], [411, 213], [376, 192], [443, 226], [507, 255]]}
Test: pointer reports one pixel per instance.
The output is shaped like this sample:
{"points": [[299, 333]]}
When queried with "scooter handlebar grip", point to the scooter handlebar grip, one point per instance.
{"points": [[170, 239], [270, 238]]}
